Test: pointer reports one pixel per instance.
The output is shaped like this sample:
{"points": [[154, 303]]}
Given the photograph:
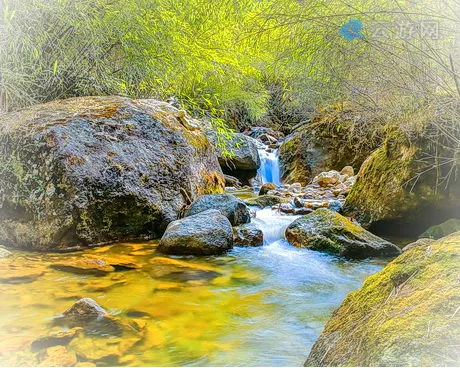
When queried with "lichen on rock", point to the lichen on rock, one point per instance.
{"points": [[405, 315]]}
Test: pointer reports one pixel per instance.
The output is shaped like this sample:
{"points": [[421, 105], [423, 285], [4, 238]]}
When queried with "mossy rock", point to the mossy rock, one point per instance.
{"points": [[325, 144], [438, 231], [326, 230], [395, 189], [91, 170], [405, 315]]}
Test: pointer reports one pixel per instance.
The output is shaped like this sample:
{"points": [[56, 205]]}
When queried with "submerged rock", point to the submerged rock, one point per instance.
{"points": [[267, 187], [85, 308], [405, 315], [205, 233], [20, 273], [90, 170], [230, 206], [180, 271], [84, 265], [62, 337], [248, 235], [441, 230], [58, 356], [326, 230]]}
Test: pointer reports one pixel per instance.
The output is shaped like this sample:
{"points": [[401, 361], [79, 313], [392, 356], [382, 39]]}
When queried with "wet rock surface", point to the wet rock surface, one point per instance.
{"points": [[248, 235], [328, 231], [230, 206], [205, 233], [99, 169]]}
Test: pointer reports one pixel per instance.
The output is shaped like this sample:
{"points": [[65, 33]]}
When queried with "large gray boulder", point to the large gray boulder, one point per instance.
{"points": [[328, 231], [240, 158], [205, 233], [91, 170], [230, 206]]}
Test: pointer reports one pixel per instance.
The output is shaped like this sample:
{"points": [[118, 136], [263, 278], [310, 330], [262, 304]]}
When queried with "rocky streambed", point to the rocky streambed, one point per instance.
{"points": [[251, 306]]}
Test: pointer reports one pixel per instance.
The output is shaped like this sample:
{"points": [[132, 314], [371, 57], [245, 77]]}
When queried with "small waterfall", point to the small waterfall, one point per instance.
{"points": [[272, 224], [269, 171]]}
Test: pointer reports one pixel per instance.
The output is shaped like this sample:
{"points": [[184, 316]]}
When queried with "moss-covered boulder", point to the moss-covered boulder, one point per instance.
{"points": [[326, 230], [398, 189], [439, 231], [328, 143], [91, 170], [405, 315]]}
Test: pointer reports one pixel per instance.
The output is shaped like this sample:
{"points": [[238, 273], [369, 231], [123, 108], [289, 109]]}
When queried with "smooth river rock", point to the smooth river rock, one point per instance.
{"points": [[326, 230], [205, 233], [230, 206]]}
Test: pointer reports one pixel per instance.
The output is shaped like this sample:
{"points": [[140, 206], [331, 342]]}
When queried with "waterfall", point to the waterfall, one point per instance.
{"points": [[269, 171]]}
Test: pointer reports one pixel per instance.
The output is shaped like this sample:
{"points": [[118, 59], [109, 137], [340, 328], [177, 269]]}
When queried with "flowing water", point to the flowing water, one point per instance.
{"points": [[269, 171], [261, 306]]}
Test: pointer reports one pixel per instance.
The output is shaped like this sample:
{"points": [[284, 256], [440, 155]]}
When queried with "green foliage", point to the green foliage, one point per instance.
{"points": [[242, 62]]}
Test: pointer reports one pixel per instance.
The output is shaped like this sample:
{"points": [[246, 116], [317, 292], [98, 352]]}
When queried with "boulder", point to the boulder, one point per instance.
{"points": [[347, 170], [405, 315], [85, 308], [439, 231], [397, 191], [240, 157], [248, 235], [265, 201], [326, 230], [230, 206], [205, 233], [267, 187], [328, 178], [319, 146], [91, 170]]}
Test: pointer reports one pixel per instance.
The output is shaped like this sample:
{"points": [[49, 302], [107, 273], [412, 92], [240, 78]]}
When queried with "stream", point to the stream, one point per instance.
{"points": [[261, 306]]}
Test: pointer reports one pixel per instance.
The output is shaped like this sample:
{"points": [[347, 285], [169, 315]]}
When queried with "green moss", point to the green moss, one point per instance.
{"points": [[380, 190], [404, 315]]}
